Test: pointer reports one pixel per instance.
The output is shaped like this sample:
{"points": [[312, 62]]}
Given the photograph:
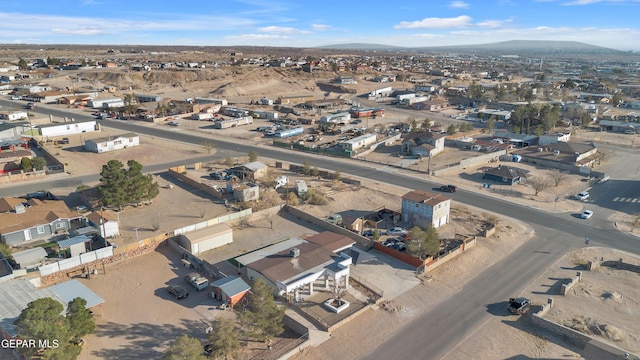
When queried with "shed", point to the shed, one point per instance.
{"points": [[230, 289], [30, 258], [208, 238], [106, 224], [76, 244], [246, 192]]}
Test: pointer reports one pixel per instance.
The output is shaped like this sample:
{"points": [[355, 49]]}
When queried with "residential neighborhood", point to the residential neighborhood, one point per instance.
{"points": [[333, 189]]}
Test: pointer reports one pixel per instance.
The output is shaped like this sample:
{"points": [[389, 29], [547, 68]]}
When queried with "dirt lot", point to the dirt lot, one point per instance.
{"points": [[602, 305]]}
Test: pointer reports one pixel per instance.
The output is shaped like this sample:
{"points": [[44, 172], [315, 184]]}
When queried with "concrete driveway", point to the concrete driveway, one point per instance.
{"points": [[385, 272]]}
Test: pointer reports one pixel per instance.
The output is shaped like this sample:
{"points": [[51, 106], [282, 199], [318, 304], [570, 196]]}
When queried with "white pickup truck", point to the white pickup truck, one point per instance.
{"points": [[197, 281]]}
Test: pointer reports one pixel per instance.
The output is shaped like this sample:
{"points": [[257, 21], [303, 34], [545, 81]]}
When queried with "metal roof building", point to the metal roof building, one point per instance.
{"points": [[30, 257], [16, 294]]}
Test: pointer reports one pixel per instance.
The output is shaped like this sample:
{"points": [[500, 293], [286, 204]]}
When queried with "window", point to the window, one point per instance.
{"points": [[60, 225], [117, 142], [68, 127], [40, 230]]}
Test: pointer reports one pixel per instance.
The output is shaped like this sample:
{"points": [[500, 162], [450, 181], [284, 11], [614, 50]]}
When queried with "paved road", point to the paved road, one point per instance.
{"points": [[433, 334]]}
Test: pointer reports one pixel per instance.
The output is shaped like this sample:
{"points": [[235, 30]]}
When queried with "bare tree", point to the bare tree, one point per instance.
{"points": [[208, 146], [538, 184], [558, 176]]}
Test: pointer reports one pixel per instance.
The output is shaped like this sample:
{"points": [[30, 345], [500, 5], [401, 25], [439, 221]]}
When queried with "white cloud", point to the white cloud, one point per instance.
{"points": [[320, 27], [436, 23], [281, 30], [458, 5], [45, 24], [490, 23], [255, 37], [83, 30]]}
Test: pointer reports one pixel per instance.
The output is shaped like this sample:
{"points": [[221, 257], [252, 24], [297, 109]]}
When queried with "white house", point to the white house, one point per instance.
{"points": [[421, 208], [103, 103], [13, 115], [110, 143], [338, 118], [358, 142], [67, 128], [105, 223]]}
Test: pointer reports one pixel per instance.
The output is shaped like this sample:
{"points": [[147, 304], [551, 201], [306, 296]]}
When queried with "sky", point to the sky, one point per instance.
{"points": [[295, 23]]}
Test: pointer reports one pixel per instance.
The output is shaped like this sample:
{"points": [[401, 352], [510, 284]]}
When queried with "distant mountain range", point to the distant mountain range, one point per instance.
{"points": [[505, 47]]}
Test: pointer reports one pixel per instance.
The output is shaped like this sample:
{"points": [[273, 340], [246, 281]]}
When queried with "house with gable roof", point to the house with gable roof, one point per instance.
{"points": [[506, 175], [423, 144], [421, 208], [24, 220]]}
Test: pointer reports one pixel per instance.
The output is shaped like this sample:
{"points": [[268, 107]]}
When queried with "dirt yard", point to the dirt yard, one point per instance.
{"points": [[602, 305]]}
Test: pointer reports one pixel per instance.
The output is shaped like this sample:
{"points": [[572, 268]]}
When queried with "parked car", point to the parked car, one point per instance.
{"points": [[389, 242], [335, 219], [396, 231], [14, 97], [448, 188], [174, 123], [629, 132], [584, 195], [519, 306], [399, 247], [178, 291], [367, 233], [587, 214]]}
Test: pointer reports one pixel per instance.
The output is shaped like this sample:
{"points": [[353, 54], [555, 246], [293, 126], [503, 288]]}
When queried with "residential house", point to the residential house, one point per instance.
{"points": [[67, 128], [13, 115], [506, 175], [619, 126], [105, 103], [251, 171], [293, 266], [515, 139], [569, 156], [23, 220], [76, 100], [358, 142], [421, 208], [498, 115], [430, 105], [230, 289], [423, 144], [110, 143]]}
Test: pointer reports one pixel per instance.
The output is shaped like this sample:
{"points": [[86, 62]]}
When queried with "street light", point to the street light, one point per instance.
{"points": [[136, 230]]}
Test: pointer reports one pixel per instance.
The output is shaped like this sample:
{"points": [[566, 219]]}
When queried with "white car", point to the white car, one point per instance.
{"points": [[396, 231], [174, 123], [587, 214], [584, 195]]}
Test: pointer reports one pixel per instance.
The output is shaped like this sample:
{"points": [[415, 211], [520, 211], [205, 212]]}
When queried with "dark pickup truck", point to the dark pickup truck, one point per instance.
{"points": [[519, 306]]}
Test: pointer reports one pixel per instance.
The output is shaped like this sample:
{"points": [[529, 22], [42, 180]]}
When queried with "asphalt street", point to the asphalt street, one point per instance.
{"points": [[433, 334]]}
